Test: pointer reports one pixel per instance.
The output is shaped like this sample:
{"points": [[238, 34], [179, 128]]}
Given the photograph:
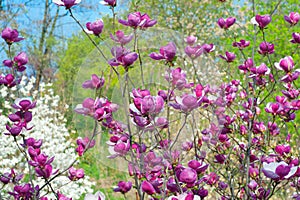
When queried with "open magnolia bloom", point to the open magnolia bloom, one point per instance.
{"points": [[278, 170]]}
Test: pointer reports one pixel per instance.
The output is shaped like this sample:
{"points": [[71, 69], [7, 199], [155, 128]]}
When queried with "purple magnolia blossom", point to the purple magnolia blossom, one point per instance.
{"points": [[188, 176], [190, 40], [220, 158], [95, 27], [186, 103], [198, 166], [207, 48], [167, 52], [137, 20], [226, 23], [252, 185], [123, 187], [84, 144], [97, 196], [67, 3], [23, 104], [123, 57], [119, 145], [9, 80], [293, 18], [260, 70], [177, 78], [44, 171], [24, 191], [94, 83], [266, 48], [7, 177], [278, 170], [10, 35], [19, 61], [274, 108], [99, 108], [222, 185], [148, 105], [229, 56], [148, 187], [261, 20], [248, 64], [273, 128], [283, 149], [145, 108], [241, 44], [193, 51], [211, 178], [286, 64], [296, 38], [121, 38], [75, 174], [112, 3]]}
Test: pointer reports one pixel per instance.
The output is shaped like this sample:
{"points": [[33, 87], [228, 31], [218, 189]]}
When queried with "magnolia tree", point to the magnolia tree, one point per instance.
{"points": [[245, 148]]}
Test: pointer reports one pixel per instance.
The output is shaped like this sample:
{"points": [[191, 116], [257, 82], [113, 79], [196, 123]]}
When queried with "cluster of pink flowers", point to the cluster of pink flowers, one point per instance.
{"points": [[242, 152]]}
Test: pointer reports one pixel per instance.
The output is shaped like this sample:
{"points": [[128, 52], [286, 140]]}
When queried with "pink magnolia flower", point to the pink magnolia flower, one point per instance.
{"points": [[261, 20], [229, 57], [286, 64], [121, 38], [248, 64], [67, 3], [252, 185], [241, 44], [188, 176], [137, 20], [19, 62], [226, 23], [186, 103], [293, 18], [274, 108], [207, 48], [148, 187], [296, 38], [118, 145], [10, 35], [167, 52], [75, 174], [266, 48], [123, 57], [211, 178], [193, 51], [9, 80], [112, 3], [283, 149], [95, 27], [190, 40], [21, 59], [24, 191], [84, 144], [278, 170], [23, 104], [94, 83], [177, 78], [123, 187]]}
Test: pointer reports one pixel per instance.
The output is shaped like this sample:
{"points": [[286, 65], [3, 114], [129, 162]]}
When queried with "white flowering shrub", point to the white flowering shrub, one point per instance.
{"points": [[50, 126]]}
